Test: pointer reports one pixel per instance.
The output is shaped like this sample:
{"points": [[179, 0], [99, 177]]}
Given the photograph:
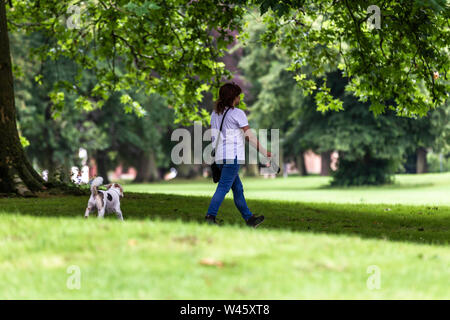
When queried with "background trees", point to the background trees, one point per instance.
{"points": [[165, 47], [109, 134], [56, 132], [168, 48], [391, 67], [371, 147]]}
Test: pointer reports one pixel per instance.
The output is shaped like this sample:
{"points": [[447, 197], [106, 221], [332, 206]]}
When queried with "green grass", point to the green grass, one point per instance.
{"points": [[303, 250], [432, 189]]}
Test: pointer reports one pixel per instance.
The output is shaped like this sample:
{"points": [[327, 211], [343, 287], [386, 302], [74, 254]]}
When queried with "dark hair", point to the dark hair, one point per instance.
{"points": [[227, 93]]}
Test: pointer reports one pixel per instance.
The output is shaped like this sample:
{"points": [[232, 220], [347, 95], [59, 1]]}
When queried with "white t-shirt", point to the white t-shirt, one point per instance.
{"points": [[231, 142]]}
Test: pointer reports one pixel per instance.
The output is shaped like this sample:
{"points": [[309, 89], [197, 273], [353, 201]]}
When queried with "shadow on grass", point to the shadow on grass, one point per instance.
{"points": [[418, 224]]}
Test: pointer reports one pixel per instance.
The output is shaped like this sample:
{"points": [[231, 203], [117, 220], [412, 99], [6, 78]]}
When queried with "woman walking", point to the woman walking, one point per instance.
{"points": [[230, 152]]}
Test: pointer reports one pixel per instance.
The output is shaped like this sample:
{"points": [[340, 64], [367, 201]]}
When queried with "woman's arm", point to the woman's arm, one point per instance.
{"points": [[251, 138]]}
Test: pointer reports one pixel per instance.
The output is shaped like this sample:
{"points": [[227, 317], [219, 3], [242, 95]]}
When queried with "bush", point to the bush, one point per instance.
{"points": [[368, 171]]}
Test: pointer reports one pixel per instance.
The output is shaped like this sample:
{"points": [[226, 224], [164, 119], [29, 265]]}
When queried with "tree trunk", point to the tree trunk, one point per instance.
{"points": [[189, 171], [421, 160], [281, 159], [300, 163], [252, 170], [49, 165], [147, 170], [13, 160], [48, 162], [325, 168], [143, 169], [67, 170], [102, 165]]}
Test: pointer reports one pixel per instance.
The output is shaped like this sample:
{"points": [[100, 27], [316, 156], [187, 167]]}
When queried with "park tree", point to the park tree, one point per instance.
{"points": [[358, 135], [371, 147], [354, 132], [109, 137], [55, 133], [395, 53], [140, 142], [430, 132], [167, 48]]}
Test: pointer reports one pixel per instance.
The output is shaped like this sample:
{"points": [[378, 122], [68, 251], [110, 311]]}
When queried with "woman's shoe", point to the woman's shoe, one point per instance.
{"points": [[212, 220], [254, 221]]}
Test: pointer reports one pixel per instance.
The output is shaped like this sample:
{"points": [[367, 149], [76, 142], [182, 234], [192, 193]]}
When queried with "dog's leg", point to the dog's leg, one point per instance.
{"points": [[86, 213], [119, 213], [101, 213], [101, 207]]}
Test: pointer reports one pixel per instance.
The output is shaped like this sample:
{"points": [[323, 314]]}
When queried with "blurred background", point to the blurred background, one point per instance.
{"points": [[353, 147]]}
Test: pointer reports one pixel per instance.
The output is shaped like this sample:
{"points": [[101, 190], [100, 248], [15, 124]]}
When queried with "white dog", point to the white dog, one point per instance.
{"points": [[105, 201]]}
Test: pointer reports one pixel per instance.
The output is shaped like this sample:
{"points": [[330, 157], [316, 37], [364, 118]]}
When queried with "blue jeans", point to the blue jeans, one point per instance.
{"points": [[229, 179]]}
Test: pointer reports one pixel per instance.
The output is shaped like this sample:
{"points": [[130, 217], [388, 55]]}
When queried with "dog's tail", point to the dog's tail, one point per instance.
{"points": [[95, 184]]}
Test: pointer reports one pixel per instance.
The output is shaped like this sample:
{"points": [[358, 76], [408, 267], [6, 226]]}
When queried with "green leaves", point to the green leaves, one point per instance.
{"points": [[82, 103], [168, 46], [38, 79], [159, 46], [24, 141], [325, 101], [143, 9], [132, 106], [58, 101], [394, 63], [368, 134], [436, 5], [280, 7]]}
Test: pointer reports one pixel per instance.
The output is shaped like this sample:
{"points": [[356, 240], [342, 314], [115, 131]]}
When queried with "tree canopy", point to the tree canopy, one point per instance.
{"points": [[168, 47], [402, 66], [371, 147]]}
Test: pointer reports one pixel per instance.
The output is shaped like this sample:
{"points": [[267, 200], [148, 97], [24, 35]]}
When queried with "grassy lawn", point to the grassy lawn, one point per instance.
{"points": [[432, 189], [303, 249]]}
